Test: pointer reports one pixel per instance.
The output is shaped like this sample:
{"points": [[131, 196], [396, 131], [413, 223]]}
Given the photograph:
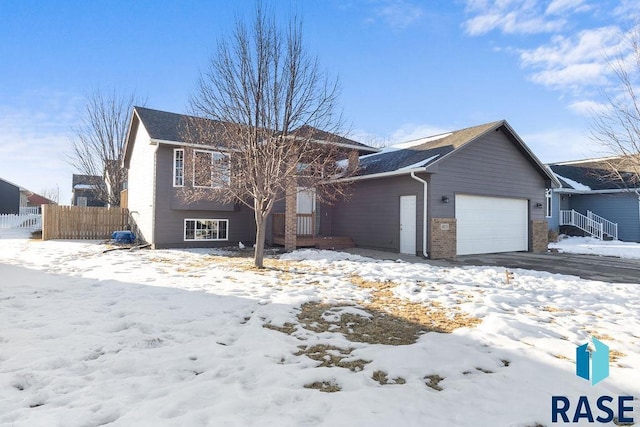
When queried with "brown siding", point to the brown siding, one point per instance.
{"points": [[371, 216]]}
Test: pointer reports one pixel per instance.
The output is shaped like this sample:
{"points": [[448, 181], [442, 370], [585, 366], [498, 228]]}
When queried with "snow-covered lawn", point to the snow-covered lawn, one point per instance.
{"points": [[593, 246], [185, 338]]}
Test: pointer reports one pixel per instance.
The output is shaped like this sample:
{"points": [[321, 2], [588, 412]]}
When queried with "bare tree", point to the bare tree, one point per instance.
{"points": [[51, 193], [617, 127], [273, 112], [98, 144]]}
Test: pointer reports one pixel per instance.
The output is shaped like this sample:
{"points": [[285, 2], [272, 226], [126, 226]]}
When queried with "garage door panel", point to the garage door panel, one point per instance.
{"points": [[491, 224]]}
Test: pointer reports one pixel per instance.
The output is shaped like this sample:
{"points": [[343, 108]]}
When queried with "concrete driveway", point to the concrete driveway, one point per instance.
{"points": [[592, 267]]}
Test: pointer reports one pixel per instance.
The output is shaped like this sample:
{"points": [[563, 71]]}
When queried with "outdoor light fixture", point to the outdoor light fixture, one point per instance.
{"points": [[539, 205], [445, 199]]}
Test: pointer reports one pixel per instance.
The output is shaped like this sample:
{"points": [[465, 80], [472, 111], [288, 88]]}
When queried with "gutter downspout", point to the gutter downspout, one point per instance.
{"points": [[424, 213]]}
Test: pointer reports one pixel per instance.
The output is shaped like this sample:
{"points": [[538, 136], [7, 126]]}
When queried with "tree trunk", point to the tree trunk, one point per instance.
{"points": [[261, 229]]}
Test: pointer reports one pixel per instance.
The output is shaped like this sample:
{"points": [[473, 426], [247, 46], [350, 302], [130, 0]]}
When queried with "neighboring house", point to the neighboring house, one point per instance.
{"points": [[476, 190], [17, 200], [86, 189], [36, 201], [595, 199], [10, 196]]}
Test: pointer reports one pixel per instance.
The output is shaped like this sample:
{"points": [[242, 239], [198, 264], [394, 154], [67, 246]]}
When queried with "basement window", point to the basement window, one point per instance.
{"points": [[206, 229]]}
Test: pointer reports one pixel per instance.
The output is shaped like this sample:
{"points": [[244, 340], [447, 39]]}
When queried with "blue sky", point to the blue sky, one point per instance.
{"points": [[407, 68]]}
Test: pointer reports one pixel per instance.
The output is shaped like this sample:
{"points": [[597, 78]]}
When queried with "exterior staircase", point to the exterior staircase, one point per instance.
{"points": [[590, 223]]}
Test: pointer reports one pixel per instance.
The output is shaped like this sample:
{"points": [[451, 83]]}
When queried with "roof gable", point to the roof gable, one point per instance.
{"points": [[424, 153]]}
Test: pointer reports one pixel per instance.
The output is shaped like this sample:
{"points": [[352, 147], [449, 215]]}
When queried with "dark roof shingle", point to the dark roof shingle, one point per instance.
{"points": [[594, 175], [420, 154], [166, 126]]}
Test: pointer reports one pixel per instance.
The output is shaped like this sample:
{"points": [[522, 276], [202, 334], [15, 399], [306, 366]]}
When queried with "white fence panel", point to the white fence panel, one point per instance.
{"points": [[29, 221]]}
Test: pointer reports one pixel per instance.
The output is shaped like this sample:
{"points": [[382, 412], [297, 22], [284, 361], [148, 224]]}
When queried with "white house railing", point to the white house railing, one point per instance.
{"points": [[29, 210], [583, 222], [29, 221], [609, 228]]}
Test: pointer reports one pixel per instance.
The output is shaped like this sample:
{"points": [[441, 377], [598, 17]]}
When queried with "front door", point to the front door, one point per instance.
{"points": [[408, 225], [305, 208]]}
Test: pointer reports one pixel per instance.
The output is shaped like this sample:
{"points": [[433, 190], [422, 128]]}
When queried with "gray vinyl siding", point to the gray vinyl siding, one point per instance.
{"points": [[9, 198], [621, 208], [171, 211], [371, 215], [490, 166]]}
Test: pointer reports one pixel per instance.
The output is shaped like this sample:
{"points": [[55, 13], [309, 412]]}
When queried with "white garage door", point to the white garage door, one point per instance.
{"points": [[491, 224]]}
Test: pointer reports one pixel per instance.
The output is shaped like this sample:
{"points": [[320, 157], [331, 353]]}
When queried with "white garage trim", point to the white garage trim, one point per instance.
{"points": [[491, 224]]}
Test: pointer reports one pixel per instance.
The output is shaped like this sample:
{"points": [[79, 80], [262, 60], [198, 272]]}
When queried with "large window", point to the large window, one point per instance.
{"points": [[548, 198], [206, 229], [210, 168], [178, 167]]}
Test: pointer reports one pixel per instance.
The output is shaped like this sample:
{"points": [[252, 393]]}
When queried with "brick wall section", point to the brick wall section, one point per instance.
{"points": [[443, 238], [290, 216], [539, 236]]}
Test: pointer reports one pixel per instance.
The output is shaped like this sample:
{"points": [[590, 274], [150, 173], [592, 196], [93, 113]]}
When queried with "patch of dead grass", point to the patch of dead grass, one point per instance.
{"points": [[288, 328], [383, 378], [388, 319], [433, 381], [614, 355], [324, 386], [330, 356], [379, 328], [601, 337], [430, 317]]}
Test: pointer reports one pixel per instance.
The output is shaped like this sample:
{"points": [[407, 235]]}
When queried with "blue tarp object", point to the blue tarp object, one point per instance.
{"points": [[123, 236]]}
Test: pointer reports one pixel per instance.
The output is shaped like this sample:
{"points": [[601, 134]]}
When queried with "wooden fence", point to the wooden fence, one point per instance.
{"points": [[75, 222]]}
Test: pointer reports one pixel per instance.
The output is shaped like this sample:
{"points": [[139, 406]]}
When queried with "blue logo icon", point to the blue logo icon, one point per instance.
{"points": [[593, 365]]}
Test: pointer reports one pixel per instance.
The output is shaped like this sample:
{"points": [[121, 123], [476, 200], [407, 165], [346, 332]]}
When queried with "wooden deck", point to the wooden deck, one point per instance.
{"points": [[319, 242]]}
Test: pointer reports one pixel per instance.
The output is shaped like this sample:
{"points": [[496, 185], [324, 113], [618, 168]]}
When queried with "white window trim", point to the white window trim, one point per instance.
{"points": [[175, 152], [212, 153], [184, 230], [548, 196]]}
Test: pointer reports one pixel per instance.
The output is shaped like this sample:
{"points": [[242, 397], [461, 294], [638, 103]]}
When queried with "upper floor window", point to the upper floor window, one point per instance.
{"points": [[210, 168], [178, 167], [549, 199]]}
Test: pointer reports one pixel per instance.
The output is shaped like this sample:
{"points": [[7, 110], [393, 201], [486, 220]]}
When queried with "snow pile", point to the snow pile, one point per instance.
{"points": [[183, 337], [593, 246]]}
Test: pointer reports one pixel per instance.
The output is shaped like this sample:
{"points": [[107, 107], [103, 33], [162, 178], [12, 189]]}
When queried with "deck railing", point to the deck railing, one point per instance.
{"points": [[305, 223]]}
